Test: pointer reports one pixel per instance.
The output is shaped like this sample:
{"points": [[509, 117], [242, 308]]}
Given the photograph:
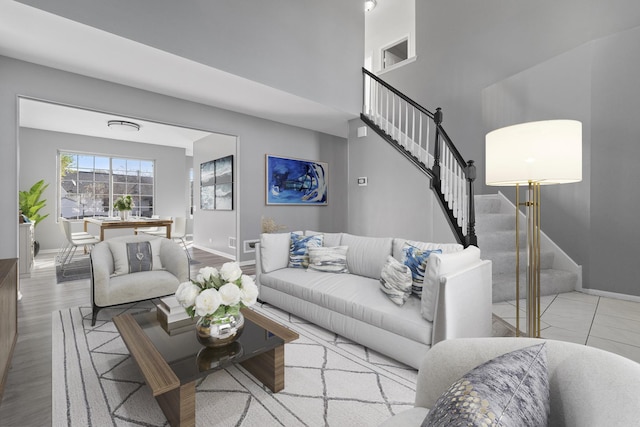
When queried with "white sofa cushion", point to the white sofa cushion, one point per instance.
{"points": [[274, 251], [330, 239], [353, 296], [366, 255], [438, 266]]}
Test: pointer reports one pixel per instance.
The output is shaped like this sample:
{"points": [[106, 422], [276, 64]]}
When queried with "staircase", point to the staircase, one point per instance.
{"points": [[419, 136], [496, 230]]}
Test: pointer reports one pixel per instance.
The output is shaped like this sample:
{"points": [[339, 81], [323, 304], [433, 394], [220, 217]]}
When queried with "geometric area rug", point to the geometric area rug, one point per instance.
{"points": [[329, 380]]}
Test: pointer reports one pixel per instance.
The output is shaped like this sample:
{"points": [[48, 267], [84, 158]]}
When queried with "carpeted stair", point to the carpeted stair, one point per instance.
{"points": [[496, 230]]}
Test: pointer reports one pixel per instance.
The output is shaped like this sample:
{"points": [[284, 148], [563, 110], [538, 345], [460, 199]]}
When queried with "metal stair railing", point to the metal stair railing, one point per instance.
{"points": [[418, 134]]}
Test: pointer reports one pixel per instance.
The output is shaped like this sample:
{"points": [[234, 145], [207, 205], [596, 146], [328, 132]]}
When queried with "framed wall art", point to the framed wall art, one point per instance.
{"points": [[295, 181], [216, 184]]}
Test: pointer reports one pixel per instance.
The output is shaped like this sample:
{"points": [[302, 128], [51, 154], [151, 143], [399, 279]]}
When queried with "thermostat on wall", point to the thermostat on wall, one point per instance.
{"points": [[362, 181]]}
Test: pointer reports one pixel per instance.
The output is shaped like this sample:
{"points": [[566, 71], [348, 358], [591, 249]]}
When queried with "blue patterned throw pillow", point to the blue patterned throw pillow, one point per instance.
{"points": [[299, 249], [416, 259], [511, 390]]}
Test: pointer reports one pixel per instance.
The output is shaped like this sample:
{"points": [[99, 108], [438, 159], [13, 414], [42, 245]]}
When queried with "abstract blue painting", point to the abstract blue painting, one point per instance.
{"points": [[296, 182]]}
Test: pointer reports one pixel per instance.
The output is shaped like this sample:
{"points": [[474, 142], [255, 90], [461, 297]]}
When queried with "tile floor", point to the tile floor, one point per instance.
{"points": [[606, 323]]}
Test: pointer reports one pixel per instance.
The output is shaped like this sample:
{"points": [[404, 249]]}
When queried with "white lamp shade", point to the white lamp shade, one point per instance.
{"points": [[546, 152]]}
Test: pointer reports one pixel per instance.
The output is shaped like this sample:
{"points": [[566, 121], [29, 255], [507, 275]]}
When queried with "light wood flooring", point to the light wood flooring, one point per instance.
{"points": [[27, 396]]}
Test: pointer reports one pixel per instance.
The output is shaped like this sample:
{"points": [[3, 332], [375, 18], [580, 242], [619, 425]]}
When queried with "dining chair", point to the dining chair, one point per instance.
{"points": [[178, 232], [65, 246], [73, 241]]}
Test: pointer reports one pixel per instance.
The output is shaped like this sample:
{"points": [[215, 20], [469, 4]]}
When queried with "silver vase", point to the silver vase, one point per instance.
{"points": [[219, 331]]}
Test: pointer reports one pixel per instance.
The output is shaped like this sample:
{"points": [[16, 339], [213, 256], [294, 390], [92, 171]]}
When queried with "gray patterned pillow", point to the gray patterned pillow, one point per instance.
{"points": [[140, 256], [510, 390], [328, 259], [396, 280]]}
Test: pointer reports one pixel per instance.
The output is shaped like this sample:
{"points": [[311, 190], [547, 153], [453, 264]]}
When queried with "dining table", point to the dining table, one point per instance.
{"points": [[132, 222]]}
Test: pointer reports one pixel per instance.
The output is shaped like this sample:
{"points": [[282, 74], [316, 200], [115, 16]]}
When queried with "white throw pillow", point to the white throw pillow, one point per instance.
{"points": [[396, 281], [121, 260], [274, 251], [438, 266], [328, 259]]}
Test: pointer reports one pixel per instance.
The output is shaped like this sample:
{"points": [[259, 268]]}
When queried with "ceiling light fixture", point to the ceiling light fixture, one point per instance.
{"points": [[369, 5], [123, 125]]}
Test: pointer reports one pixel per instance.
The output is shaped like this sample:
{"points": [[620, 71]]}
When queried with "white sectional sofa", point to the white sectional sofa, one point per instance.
{"points": [[456, 296]]}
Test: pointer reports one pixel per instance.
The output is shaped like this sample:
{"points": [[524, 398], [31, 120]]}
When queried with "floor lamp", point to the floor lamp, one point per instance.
{"points": [[533, 154]]}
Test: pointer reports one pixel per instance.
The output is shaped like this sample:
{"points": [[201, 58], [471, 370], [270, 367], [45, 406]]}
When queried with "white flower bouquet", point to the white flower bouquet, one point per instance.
{"points": [[215, 294]]}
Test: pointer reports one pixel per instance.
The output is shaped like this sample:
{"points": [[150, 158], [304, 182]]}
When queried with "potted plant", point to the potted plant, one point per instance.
{"points": [[30, 205], [123, 204]]}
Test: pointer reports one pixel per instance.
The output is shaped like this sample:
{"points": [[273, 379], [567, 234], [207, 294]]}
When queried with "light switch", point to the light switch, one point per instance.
{"points": [[362, 181]]}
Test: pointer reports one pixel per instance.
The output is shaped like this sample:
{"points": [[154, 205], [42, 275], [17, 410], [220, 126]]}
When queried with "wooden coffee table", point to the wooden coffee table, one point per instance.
{"points": [[171, 364]]}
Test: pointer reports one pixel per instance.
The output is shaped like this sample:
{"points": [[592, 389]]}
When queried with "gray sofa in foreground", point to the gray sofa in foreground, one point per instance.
{"points": [[112, 283], [587, 386], [354, 306]]}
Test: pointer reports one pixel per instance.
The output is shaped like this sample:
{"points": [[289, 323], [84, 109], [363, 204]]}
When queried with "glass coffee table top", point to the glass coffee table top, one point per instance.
{"points": [[190, 360]]}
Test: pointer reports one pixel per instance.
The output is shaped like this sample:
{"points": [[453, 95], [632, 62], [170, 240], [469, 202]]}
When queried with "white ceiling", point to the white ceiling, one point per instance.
{"points": [[36, 36], [61, 118]]}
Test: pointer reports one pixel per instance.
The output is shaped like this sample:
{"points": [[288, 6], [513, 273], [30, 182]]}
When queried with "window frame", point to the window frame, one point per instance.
{"points": [[146, 167]]}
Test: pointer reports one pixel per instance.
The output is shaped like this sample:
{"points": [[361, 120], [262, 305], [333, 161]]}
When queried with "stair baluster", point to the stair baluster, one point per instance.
{"points": [[452, 178]]}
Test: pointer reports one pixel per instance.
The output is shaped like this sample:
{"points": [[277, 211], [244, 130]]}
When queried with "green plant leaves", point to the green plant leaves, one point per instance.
{"points": [[30, 203]]}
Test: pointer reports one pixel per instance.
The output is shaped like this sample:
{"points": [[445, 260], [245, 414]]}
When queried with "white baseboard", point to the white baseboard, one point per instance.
{"points": [[215, 252], [612, 295]]}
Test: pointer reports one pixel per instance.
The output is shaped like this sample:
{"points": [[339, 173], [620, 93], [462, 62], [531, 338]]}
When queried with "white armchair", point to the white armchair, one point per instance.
{"points": [[112, 283], [588, 386]]}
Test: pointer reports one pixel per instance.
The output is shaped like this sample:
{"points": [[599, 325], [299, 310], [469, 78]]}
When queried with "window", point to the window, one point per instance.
{"points": [[89, 184]]}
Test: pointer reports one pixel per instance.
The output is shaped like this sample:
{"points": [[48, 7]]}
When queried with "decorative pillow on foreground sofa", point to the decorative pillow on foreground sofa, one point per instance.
{"points": [[511, 390]]}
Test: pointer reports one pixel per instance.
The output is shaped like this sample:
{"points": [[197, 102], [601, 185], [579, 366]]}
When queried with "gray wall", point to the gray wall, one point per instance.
{"points": [[296, 143], [308, 48], [256, 138], [398, 200], [212, 229], [38, 160], [494, 63]]}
